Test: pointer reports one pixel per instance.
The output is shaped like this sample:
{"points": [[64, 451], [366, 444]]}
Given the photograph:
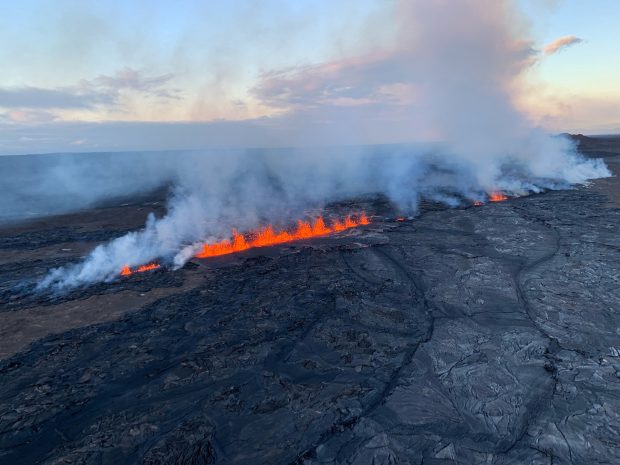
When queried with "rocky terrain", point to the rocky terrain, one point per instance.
{"points": [[481, 335]]}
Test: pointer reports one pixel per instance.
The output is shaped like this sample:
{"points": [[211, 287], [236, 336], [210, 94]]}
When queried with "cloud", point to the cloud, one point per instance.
{"points": [[104, 90], [407, 92], [410, 91], [129, 79], [61, 136], [59, 98], [576, 113], [337, 125], [27, 116], [560, 44], [366, 80], [395, 92]]}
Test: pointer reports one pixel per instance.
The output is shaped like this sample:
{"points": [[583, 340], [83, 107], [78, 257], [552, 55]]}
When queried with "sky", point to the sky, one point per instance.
{"points": [[149, 75]]}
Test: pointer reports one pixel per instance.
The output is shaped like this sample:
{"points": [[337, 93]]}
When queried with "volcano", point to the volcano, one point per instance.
{"points": [[465, 335]]}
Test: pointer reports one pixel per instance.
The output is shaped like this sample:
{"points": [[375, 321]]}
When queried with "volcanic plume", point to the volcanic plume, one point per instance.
{"points": [[497, 197], [265, 237], [463, 62], [127, 271]]}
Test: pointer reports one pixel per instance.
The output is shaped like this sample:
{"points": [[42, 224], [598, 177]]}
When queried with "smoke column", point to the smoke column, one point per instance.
{"points": [[464, 58]]}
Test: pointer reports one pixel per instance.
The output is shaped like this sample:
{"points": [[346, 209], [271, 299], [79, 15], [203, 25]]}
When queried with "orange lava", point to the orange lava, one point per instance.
{"points": [[497, 197], [264, 237], [400, 219], [127, 271], [267, 235]]}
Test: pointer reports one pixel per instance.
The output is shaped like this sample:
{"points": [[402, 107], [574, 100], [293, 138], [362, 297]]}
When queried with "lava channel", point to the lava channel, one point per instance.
{"points": [[268, 235], [264, 237], [497, 197], [127, 271]]}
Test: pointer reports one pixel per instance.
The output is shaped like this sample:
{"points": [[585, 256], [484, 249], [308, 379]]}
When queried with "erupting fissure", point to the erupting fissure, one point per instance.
{"points": [[495, 196], [127, 271], [267, 236]]}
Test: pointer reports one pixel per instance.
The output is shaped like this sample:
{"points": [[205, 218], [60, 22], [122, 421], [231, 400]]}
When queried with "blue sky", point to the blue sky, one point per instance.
{"points": [[591, 68], [73, 70]]}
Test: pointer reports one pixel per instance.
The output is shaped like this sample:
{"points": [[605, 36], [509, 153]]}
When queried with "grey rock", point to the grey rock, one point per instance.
{"points": [[485, 335]]}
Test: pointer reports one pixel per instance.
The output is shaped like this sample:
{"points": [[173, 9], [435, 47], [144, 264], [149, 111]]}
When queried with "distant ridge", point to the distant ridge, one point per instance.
{"points": [[598, 143]]}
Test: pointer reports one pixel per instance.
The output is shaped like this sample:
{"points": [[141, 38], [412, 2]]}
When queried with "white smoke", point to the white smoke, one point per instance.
{"points": [[464, 58], [39, 185]]}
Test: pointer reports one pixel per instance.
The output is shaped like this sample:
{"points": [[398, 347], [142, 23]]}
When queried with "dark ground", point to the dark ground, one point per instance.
{"points": [[486, 335]]}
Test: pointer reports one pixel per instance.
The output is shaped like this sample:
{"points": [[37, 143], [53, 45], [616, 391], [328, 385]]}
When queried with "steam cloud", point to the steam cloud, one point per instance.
{"points": [[464, 60], [560, 44], [38, 185]]}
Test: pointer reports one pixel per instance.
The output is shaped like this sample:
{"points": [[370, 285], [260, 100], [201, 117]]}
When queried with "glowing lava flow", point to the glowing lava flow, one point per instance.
{"points": [[264, 237], [497, 197], [267, 235], [126, 271]]}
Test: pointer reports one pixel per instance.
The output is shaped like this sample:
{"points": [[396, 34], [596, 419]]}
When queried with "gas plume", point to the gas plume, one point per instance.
{"points": [[463, 58]]}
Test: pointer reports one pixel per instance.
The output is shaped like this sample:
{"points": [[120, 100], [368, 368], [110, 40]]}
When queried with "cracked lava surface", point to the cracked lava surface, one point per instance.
{"points": [[480, 335]]}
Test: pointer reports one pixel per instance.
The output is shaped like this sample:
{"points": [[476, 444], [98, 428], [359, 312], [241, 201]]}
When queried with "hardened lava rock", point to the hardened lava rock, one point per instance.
{"points": [[478, 335]]}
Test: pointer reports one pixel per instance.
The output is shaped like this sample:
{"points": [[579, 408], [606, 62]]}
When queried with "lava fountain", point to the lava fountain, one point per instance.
{"points": [[127, 271], [268, 235], [265, 237], [497, 197]]}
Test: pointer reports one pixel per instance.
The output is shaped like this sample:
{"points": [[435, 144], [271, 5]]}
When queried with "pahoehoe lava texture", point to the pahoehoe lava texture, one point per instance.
{"points": [[480, 335]]}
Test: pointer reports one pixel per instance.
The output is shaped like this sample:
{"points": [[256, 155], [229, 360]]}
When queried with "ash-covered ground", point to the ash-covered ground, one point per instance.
{"points": [[482, 335]]}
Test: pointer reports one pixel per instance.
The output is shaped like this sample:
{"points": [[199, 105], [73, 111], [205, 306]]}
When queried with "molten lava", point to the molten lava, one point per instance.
{"points": [[267, 235], [264, 237], [127, 271], [497, 196]]}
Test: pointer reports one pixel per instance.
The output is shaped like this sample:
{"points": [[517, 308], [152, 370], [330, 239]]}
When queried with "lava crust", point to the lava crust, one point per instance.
{"points": [[488, 334]]}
